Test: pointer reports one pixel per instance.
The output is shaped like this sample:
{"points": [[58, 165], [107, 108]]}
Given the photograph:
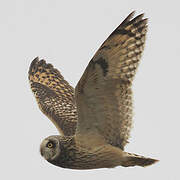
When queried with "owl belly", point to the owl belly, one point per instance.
{"points": [[105, 156]]}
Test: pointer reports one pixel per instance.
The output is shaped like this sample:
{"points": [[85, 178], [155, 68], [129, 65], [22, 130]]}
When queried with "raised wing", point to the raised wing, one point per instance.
{"points": [[54, 95], [103, 94]]}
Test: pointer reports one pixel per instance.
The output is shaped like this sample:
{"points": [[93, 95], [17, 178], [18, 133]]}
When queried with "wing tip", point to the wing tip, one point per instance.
{"points": [[33, 65], [36, 62], [130, 19], [130, 16], [137, 21], [41, 66]]}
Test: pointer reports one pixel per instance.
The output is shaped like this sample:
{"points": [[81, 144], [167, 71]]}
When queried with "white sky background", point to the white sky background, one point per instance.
{"points": [[67, 34]]}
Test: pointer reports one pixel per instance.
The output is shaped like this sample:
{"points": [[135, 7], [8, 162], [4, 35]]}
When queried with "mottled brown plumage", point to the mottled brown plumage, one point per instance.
{"points": [[95, 132], [54, 95]]}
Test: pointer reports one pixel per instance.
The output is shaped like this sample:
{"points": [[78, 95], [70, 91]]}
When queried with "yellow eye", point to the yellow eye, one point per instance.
{"points": [[50, 145]]}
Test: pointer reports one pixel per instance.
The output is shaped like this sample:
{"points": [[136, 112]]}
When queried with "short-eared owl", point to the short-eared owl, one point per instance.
{"points": [[95, 119]]}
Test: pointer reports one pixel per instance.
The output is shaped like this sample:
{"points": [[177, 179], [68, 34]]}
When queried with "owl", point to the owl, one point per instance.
{"points": [[94, 119]]}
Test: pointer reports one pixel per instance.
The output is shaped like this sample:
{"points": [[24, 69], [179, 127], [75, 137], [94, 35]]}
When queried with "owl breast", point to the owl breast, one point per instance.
{"points": [[75, 157]]}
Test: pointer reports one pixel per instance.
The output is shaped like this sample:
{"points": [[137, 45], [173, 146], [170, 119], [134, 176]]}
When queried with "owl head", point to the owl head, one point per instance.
{"points": [[50, 148]]}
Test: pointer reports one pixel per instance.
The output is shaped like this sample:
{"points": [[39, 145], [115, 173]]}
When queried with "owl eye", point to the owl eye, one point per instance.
{"points": [[50, 145]]}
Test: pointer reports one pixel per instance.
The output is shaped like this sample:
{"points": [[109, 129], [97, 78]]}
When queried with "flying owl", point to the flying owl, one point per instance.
{"points": [[95, 118]]}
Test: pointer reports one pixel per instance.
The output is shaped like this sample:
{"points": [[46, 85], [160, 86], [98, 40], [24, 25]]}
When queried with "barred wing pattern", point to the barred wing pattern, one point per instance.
{"points": [[54, 95], [103, 94]]}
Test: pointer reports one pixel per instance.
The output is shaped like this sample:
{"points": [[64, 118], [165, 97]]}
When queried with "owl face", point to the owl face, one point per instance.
{"points": [[50, 148]]}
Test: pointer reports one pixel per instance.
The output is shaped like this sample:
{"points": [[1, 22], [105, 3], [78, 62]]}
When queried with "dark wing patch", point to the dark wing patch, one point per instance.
{"points": [[54, 95], [104, 65]]}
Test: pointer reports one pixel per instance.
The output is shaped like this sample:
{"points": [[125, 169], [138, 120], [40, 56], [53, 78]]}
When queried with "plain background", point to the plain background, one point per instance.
{"points": [[67, 34]]}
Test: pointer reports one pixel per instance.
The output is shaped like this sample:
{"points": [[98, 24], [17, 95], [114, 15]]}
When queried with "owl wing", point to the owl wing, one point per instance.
{"points": [[103, 94], [54, 96]]}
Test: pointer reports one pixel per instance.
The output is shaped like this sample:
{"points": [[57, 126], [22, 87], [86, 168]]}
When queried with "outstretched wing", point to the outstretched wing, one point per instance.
{"points": [[103, 94], [54, 95]]}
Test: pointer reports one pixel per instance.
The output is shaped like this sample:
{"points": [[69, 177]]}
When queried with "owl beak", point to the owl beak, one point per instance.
{"points": [[45, 154]]}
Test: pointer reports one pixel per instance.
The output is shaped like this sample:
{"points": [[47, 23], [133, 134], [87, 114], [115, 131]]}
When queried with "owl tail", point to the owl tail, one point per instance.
{"points": [[137, 160]]}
